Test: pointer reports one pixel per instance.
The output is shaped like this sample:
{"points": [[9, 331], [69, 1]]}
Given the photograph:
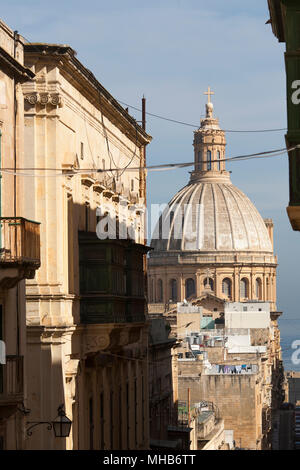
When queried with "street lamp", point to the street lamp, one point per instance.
{"points": [[61, 425]]}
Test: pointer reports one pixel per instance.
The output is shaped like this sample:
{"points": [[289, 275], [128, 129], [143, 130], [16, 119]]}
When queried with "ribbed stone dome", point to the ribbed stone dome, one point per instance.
{"points": [[226, 219]]}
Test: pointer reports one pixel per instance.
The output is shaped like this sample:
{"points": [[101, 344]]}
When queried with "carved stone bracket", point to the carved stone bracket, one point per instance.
{"points": [[113, 339], [43, 99], [96, 342]]}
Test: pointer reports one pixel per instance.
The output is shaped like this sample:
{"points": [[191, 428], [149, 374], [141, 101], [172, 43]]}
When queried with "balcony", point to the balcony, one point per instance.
{"points": [[11, 385], [19, 250], [112, 280]]}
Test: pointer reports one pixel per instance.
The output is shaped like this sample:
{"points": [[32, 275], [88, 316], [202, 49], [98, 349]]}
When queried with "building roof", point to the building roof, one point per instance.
{"points": [[84, 79], [229, 221]]}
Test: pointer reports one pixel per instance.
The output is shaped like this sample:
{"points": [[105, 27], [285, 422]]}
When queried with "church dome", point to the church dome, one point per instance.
{"points": [[211, 214]]}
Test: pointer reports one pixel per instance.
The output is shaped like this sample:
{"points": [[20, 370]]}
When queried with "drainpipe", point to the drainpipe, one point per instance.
{"points": [[15, 130]]}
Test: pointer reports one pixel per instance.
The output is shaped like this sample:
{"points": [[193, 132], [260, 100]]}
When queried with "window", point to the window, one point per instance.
{"points": [[132, 185], [199, 161], [159, 290], [210, 283], [189, 287], [87, 213], [226, 287], [208, 159], [120, 418], [219, 158], [91, 422], [173, 290], [101, 421], [244, 288], [111, 401], [81, 151], [258, 289]]}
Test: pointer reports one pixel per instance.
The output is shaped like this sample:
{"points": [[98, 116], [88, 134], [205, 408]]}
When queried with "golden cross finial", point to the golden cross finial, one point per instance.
{"points": [[209, 93]]}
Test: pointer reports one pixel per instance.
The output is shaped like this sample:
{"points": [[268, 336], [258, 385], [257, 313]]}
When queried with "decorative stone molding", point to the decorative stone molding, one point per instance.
{"points": [[43, 99], [95, 343]]}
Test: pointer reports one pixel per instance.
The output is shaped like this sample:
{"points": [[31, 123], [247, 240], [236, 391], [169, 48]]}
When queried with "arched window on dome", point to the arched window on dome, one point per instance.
{"points": [[244, 288], [210, 283], [160, 291], [258, 288], [219, 158], [227, 287], [189, 287], [173, 290], [208, 159]]}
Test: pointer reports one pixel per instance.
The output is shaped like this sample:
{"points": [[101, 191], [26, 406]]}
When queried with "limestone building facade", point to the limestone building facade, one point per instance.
{"points": [[19, 241], [86, 313]]}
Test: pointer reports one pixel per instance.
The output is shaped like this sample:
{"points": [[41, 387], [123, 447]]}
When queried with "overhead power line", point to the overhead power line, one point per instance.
{"points": [[197, 125], [161, 167]]}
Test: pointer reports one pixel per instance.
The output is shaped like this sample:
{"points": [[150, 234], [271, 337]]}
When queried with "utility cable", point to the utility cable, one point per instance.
{"points": [[197, 126], [161, 167]]}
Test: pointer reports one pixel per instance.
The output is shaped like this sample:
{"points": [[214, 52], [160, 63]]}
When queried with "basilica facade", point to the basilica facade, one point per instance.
{"points": [[211, 240]]}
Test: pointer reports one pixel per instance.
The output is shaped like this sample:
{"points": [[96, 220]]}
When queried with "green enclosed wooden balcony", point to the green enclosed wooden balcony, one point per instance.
{"points": [[112, 280]]}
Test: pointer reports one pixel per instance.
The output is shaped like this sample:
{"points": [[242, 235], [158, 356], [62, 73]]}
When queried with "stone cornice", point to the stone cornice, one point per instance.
{"points": [[20, 72], [83, 80]]}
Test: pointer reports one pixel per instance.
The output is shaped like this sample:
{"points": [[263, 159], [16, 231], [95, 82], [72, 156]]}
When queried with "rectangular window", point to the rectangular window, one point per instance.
{"points": [[101, 421], [127, 414], [87, 214], [81, 151], [120, 418], [111, 420], [91, 423]]}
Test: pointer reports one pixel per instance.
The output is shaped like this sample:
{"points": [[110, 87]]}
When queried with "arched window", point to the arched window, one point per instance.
{"points": [[226, 286], [244, 288], [208, 159], [200, 161], [189, 287], [219, 158], [159, 290], [173, 290], [258, 290], [210, 283]]}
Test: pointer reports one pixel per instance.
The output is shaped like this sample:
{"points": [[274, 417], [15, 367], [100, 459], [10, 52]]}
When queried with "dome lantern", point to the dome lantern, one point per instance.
{"points": [[209, 146]]}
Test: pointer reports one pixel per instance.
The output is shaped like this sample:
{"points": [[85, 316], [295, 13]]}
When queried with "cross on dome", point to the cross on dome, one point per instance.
{"points": [[209, 93], [209, 106]]}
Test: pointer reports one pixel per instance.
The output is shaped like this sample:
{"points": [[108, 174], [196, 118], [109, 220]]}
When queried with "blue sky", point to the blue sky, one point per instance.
{"points": [[171, 51]]}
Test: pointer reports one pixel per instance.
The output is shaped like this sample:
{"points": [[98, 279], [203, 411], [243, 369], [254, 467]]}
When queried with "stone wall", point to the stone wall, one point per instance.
{"points": [[235, 397]]}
